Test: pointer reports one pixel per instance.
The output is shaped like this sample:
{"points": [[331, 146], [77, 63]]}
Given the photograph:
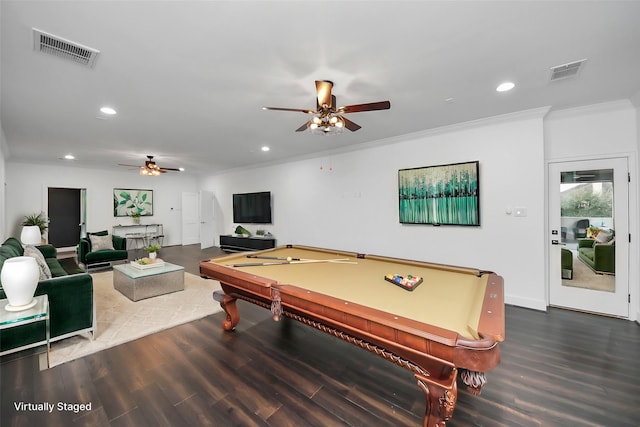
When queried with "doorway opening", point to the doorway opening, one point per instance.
{"points": [[66, 213]]}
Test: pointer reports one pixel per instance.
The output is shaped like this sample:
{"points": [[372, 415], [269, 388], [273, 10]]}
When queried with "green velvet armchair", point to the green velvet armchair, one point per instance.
{"points": [[92, 257]]}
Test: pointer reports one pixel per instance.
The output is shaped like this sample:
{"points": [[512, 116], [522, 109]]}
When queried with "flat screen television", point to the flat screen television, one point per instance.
{"points": [[252, 208]]}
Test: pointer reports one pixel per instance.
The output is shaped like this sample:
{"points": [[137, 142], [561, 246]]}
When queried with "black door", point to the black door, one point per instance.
{"points": [[64, 217]]}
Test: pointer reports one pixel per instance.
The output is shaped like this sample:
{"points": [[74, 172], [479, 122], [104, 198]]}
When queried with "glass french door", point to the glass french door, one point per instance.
{"points": [[589, 236]]}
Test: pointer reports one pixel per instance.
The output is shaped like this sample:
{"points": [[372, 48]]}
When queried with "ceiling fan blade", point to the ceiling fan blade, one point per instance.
{"points": [[382, 105], [351, 125], [170, 170], [323, 88], [129, 166], [304, 126], [300, 110]]}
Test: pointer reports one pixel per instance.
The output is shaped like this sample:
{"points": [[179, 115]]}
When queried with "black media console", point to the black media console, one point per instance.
{"points": [[238, 244]]}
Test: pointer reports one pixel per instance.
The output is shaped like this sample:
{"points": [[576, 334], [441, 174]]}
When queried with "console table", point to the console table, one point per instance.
{"points": [[143, 234], [231, 243]]}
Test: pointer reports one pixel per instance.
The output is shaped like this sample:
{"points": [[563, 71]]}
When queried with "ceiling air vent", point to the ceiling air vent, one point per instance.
{"points": [[54, 45], [566, 70]]}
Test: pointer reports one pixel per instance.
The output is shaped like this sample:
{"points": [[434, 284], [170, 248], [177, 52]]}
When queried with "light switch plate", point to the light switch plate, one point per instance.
{"points": [[520, 211]]}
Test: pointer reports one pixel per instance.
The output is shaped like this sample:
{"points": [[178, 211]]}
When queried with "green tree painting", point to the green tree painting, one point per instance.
{"points": [[446, 194]]}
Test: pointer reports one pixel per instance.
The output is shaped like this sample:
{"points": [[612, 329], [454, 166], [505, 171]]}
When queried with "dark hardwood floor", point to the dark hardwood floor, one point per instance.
{"points": [[559, 368]]}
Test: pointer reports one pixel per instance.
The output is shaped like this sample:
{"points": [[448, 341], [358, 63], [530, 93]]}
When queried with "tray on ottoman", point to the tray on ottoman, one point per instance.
{"points": [[149, 263]]}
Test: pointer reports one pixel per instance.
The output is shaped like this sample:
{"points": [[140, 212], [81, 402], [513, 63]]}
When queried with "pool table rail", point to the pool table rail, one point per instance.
{"points": [[492, 317], [432, 265]]}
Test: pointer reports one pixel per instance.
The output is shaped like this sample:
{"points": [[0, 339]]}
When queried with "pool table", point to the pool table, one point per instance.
{"points": [[445, 329]]}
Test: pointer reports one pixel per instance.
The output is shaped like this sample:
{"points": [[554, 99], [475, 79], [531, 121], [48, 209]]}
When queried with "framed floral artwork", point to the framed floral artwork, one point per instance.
{"points": [[132, 202]]}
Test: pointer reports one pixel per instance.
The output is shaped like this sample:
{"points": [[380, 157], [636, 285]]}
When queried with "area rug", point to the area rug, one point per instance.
{"points": [[584, 277], [121, 320]]}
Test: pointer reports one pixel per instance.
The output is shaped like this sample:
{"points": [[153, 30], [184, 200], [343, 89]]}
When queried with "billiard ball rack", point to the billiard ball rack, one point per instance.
{"points": [[406, 282]]}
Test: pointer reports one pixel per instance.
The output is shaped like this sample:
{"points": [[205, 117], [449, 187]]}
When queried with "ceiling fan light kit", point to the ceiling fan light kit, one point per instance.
{"points": [[150, 168], [328, 119], [325, 125], [146, 171]]}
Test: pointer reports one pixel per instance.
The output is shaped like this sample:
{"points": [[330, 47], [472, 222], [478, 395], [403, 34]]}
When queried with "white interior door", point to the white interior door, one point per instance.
{"points": [[593, 193], [206, 220], [190, 220]]}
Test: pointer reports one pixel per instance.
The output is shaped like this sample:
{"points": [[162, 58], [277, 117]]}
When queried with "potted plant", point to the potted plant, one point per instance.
{"points": [[135, 216], [152, 250], [37, 219], [242, 231]]}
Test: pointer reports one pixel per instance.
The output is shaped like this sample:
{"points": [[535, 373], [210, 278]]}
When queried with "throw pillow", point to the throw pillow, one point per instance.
{"points": [[592, 232], [603, 237], [45, 272], [99, 243]]}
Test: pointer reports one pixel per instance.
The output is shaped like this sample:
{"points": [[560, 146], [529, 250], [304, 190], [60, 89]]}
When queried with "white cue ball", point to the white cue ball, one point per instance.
{"points": [[289, 258]]}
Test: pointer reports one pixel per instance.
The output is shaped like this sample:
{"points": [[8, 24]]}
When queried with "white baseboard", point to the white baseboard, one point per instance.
{"points": [[534, 304]]}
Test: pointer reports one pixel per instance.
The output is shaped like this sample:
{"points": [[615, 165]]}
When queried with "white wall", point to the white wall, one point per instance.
{"points": [[355, 206], [636, 103], [4, 153], [27, 193], [602, 131], [3, 156]]}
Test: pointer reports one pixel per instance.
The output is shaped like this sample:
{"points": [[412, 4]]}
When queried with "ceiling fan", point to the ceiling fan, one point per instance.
{"points": [[327, 118], [150, 168]]}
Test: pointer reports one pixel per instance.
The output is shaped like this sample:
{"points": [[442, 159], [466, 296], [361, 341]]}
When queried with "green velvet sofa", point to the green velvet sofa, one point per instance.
{"points": [[104, 257], [71, 301], [601, 257]]}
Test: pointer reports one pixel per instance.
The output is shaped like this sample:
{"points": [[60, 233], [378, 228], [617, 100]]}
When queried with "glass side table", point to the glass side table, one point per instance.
{"points": [[38, 313]]}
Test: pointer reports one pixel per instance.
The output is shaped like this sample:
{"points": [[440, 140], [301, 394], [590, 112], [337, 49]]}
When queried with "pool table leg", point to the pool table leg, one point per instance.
{"points": [[228, 304], [441, 400]]}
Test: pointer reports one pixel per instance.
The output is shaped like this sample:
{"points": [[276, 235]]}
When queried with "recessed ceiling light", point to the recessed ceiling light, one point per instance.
{"points": [[181, 169], [505, 87], [69, 157], [108, 110], [265, 148]]}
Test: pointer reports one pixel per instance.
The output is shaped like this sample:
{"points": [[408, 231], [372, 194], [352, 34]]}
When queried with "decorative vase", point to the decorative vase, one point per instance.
{"points": [[136, 220], [153, 255], [31, 235], [19, 278]]}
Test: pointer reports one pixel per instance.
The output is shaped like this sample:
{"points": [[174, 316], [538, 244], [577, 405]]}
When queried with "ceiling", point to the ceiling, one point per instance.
{"points": [[189, 79]]}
